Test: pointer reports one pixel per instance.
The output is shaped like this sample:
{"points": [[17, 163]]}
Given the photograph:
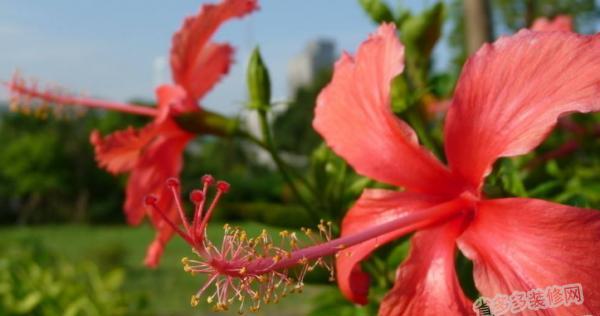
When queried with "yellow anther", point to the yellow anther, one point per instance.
{"points": [[243, 271], [303, 261], [185, 261], [195, 300], [221, 307]]}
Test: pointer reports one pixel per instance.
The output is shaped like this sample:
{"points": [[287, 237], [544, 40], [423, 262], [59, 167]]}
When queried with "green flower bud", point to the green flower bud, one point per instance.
{"points": [[259, 84]]}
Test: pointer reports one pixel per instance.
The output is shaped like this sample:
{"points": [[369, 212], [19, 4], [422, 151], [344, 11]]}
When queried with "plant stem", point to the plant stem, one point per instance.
{"points": [[418, 123], [268, 143]]}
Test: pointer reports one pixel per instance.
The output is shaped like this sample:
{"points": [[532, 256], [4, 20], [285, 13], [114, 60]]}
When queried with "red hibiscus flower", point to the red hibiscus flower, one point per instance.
{"points": [[508, 98], [153, 153]]}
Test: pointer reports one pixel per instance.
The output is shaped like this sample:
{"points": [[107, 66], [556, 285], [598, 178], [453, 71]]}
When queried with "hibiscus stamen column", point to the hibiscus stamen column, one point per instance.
{"points": [[25, 96], [252, 271]]}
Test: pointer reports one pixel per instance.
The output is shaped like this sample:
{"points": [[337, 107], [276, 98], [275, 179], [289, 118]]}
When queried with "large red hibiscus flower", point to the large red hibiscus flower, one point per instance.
{"points": [[508, 98]]}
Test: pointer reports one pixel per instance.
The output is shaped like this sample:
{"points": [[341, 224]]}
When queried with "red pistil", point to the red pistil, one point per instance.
{"points": [[194, 233], [407, 224]]}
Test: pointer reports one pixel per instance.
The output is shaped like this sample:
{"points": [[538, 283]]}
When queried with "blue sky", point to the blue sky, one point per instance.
{"points": [[109, 48]]}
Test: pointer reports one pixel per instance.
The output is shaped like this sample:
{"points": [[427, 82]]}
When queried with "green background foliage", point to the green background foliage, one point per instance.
{"points": [[48, 176]]}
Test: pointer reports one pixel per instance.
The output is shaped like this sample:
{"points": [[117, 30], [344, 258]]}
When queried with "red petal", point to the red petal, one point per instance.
{"points": [[354, 117], [119, 151], [164, 233], [374, 207], [191, 53], [211, 65], [154, 253], [560, 23], [160, 161], [426, 284], [172, 100], [511, 94], [522, 244]]}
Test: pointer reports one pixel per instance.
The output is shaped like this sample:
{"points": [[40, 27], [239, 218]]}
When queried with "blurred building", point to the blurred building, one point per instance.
{"points": [[317, 56]]}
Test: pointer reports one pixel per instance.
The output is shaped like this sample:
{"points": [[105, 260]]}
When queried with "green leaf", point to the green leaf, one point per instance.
{"points": [[38, 282], [553, 169], [398, 254], [331, 302], [114, 279], [27, 304], [464, 270], [511, 179], [377, 10], [544, 189], [400, 94], [420, 33]]}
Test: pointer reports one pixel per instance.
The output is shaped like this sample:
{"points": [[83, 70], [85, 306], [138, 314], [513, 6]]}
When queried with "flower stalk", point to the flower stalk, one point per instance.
{"points": [[259, 90]]}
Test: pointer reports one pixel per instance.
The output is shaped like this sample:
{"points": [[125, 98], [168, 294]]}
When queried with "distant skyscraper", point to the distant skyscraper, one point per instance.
{"points": [[303, 69]]}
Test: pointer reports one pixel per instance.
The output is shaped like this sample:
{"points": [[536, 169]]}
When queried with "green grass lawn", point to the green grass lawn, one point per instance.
{"points": [[167, 288]]}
